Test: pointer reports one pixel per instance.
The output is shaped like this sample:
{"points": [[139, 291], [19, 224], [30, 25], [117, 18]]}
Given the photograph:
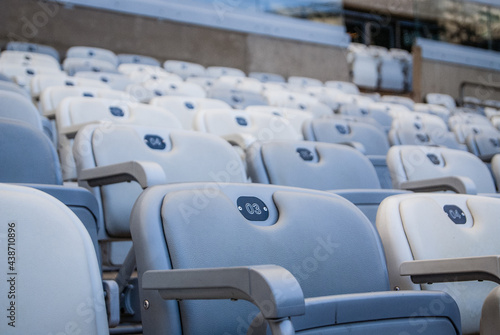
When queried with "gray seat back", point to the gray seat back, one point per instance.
{"points": [[52, 283], [315, 235], [337, 131], [321, 166], [184, 156], [410, 162]]}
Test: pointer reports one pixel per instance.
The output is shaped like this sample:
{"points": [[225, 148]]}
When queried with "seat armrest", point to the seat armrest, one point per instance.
{"points": [[456, 184], [239, 139], [145, 173], [453, 269], [356, 145], [112, 298], [271, 288]]}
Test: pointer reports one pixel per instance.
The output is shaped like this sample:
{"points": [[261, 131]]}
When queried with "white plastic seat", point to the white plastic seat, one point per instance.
{"points": [[206, 82], [33, 47], [53, 282], [92, 53], [137, 59], [438, 110], [395, 99], [332, 97], [297, 81], [52, 96], [219, 71], [13, 87], [440, 239], [242, 128], [75, 65], [438, 168], [22, 75], [304, 102], [257, 243], [184, 69], [344, 86], [266, 77], [392, 77], [445, 100], [185, 108], [364, 70], [146, 91], [29, 59], [130, 68], [41, 81], [75, 112], [115, 81], [296, 117]]}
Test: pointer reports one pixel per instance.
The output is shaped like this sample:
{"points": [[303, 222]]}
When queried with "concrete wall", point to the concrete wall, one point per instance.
{"points": [[441, 77], [62, 27]]}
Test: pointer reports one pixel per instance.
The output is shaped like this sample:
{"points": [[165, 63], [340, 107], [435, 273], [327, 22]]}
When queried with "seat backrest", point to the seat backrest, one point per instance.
{"points": [[28, 59], [184, 156], [296, 117], [184, 69], [445, 100], [74, 65], [42, 81], [185, 108], [237, 98], [321, 166], [148, 90], [305, 102], [18, 107], [219, 71], [424, 226], [53, 283], [92, 53], [464, 130], [28, 156], [261, 126], [315, 235], [267, 77], [437, 110], [395, 99], [33, 47], [409, 163], [74, 113], [137, 59], [52, 96], [12, 87], [344, 86], [373, 139], [298, 81], [116, 81]]}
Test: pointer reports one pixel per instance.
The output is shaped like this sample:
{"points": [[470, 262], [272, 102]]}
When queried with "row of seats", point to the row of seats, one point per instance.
{"points": [[219, 226]]}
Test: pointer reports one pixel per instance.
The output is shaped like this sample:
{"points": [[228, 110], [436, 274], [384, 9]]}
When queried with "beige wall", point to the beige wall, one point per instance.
{"points": [[63, 27], [432, 76]]}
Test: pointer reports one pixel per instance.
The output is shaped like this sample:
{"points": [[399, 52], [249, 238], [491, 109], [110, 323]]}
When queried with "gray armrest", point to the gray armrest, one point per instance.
{"points": [[145, 173], [455, 184], [271, 288], [455, 269], [240, 139]]}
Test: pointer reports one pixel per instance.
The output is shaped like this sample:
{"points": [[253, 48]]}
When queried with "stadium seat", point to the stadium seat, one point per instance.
{"points": [[29, 158], [75, 65], [33, 47], [12, 87], [288, 251], [344, 86], [296, 117], [242, 128], [391, 72], [237, 98], [129, 69], [266, 77], [205, 82], [302, 82], [52, 96], [137, 59], [438, 110], [148, 90], [219, 71], [184, 69], [41, 81], [185, 108], [380, 115], [29, 59], [395, 99], [74, 113], [52, 283], [445, 100], [115, 81], [365, 137], [364, 70], [446, 242], [301, 101], [321, 166], [92, 53], [22, 75], [426, 168], [108, 157]]}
